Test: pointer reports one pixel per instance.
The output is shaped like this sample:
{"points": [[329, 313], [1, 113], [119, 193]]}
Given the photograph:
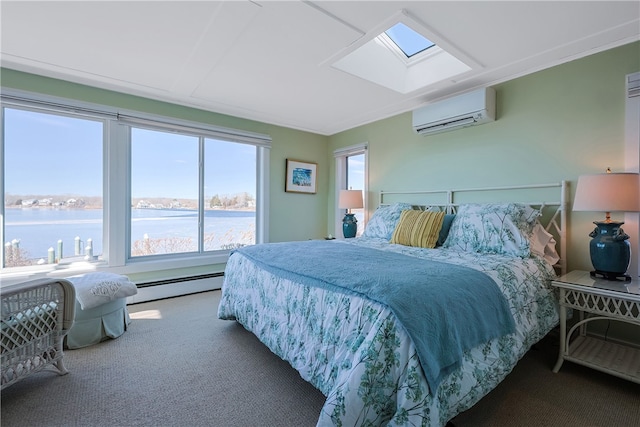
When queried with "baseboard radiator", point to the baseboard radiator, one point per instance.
{"points": [[169, 288]]}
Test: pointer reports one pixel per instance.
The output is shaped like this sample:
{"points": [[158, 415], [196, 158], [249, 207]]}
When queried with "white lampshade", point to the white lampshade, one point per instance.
{"points": [[350, 199], [608, 192]]}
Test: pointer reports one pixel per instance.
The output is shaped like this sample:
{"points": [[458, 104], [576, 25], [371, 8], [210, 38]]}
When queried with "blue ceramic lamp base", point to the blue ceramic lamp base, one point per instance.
{"points": [[349, 226], [610, 251]]}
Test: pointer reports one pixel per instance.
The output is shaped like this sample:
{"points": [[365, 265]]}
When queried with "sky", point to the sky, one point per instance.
{"points": [[355, 172], [49, 154], [408, 40], [166, 163]]}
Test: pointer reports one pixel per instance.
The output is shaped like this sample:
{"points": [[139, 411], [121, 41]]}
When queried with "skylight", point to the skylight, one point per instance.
{"points": [[396, 55], [409, 41]]}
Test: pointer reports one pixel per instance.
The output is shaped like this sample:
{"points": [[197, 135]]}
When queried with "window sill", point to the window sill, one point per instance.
{"points": [[72, 267]]}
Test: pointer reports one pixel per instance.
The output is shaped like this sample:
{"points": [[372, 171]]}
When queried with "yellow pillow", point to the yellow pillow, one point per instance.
{"points": [[418, 228]]}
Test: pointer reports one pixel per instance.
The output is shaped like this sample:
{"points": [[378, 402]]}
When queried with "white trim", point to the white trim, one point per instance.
{"points": [[195, 128], [263, 174], [351, 150], [632, 164], [341, 183], [18, 98], [116, 175], [2, 238]]}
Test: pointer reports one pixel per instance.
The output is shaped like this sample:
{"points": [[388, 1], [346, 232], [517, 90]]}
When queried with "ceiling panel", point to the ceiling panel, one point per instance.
{"points": [[271, 60], [121, 41]]}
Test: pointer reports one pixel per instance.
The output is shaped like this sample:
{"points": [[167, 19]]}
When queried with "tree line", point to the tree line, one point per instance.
{"points": [[240, 200]]}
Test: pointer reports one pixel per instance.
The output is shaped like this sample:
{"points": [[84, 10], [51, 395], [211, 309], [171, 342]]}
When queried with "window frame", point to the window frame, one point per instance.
{"points": [[116, 182], [43, 106], [396, 43], [632, 160], [341, 156]]}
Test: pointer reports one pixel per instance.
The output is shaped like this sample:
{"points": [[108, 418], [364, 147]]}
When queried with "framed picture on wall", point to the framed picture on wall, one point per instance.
{"points": [[301, 177]]}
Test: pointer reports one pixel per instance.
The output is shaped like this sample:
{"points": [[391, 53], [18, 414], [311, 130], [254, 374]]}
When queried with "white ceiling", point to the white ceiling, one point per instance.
{"points": [[271, 61]]}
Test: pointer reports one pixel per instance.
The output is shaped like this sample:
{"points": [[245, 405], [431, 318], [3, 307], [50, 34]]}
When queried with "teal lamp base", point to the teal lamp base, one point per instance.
{"points": [[349, 226], [610, 251]]}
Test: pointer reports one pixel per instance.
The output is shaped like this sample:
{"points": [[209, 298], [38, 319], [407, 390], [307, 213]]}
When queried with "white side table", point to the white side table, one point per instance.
{"points": [[598, 299]]}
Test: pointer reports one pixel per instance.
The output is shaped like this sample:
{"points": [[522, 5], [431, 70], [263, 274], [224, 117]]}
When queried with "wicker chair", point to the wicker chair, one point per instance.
{"points": [[36, 316]]}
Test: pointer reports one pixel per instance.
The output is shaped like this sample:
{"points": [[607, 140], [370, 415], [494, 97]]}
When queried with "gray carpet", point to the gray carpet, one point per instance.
{"points": [[178, 365]]}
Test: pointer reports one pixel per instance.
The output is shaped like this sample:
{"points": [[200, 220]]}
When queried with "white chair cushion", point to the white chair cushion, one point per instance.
{"points": [[95, 289]]}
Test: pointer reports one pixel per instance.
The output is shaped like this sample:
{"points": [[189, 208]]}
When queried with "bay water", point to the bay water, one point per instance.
{"points": [[38, 229]]}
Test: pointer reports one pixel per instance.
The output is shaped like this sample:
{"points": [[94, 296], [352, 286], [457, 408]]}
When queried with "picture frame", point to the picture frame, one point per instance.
{"points": [[301, 177]]}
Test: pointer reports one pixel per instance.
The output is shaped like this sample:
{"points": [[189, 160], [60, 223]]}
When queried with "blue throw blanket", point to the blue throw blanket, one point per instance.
{"points": [[445, 308]]}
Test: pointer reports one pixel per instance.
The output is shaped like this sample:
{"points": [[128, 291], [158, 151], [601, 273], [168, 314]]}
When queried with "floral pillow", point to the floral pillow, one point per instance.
{"points": [[384, 220], [493, 228]]}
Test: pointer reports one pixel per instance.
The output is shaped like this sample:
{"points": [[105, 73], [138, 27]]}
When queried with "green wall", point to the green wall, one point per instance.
{"points": [[551, 125]]}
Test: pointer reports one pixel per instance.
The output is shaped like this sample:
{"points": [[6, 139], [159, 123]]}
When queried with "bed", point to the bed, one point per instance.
{"points": [[394, 328]]}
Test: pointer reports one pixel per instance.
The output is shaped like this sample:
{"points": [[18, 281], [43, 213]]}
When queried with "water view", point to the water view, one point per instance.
{"points": [[36, 230]]}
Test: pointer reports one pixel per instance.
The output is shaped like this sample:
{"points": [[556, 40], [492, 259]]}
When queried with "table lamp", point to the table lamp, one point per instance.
{"points": [[609, 192], [350, 199]]}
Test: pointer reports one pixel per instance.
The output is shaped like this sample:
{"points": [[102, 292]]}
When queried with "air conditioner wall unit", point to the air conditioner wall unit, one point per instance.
{"points": [[469, 109]]}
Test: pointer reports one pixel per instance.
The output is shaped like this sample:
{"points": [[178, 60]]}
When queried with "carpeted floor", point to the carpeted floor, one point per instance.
{"points": [[178, 365]]}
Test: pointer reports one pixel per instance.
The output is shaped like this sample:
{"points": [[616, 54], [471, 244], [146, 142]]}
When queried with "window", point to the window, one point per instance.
{"points": [[52, 187], [166, 207], [407, 40], [229, 194], [87, 183], [164, 193], [351, 173], [355, 181], [194, 190]]}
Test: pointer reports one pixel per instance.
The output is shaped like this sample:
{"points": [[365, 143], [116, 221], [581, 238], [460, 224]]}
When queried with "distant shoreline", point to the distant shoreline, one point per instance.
{"points": [[228, 202], [132, 207]]}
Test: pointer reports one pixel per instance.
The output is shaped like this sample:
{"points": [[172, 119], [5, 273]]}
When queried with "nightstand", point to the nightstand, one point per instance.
{"points": [[598, 299]]}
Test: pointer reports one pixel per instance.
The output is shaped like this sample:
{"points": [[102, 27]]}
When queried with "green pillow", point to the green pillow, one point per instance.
{"points": [[444, 231]]}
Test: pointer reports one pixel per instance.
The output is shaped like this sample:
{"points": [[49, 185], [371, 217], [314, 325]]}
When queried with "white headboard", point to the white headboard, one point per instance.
{"points": [[550, 199]]}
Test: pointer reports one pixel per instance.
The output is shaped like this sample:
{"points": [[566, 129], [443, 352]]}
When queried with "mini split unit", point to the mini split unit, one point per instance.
{"points": [[469, 109]]}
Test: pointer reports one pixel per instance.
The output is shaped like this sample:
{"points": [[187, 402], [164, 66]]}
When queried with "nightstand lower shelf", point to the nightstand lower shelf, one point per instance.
{"points": [[615, 359]]}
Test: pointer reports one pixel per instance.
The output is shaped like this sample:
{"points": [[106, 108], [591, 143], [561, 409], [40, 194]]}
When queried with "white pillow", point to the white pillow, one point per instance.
{"points": [[543, 244], [96, 289]]}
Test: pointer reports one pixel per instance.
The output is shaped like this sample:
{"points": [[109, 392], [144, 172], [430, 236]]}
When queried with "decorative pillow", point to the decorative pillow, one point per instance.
{"points": [[543, 244], [418, 228], [384, 220], [444, 231], [95, 289], [493, 228]]}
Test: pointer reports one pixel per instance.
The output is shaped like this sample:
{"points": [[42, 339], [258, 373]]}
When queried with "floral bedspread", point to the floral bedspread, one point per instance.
{"points": [[359, 356]]}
